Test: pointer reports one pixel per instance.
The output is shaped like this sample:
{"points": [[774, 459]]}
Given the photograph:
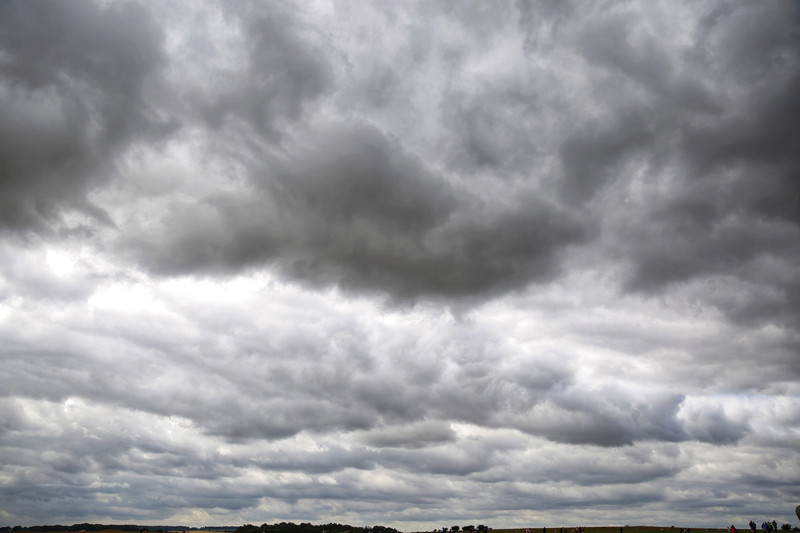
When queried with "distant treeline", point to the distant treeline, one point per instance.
{"points": [[305, 527], [119, 527], [74, 527]]}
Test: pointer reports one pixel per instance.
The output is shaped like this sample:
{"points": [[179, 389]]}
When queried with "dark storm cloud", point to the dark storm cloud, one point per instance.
{"points": [[349, 206], [733, 205], [347, 203], [590, 158], [72, 84]]}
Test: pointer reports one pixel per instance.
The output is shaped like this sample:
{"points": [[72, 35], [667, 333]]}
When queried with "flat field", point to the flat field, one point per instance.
{"points": [[615, 529], [586, 529]]}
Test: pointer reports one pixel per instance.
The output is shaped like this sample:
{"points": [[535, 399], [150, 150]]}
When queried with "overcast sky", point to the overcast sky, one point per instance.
{"points": [[405, 263]]}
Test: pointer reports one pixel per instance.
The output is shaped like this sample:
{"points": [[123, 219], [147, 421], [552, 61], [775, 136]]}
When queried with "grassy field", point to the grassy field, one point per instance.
{"points": [[615, 529], [586, 529]]}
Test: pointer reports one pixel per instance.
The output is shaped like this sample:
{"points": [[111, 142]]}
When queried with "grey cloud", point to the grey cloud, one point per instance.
{"points": [[277, 398], [518, 498], [11, 417], [122, 454], [215, 235], [262, 395], [35, 497], [615, 43], [275, 419], [670, 76], [628, 465], [283, 72], [700, 242], [355, 171], [72, 81], [327, 399], [481, 22], [540, 20], [325, 460], [499, 128], [350, 207], [715, 427], [467, 458], [591, 158], [746, 51], [608, 42], [575, 416], [727, 203], [414, 436], [760, 139]]}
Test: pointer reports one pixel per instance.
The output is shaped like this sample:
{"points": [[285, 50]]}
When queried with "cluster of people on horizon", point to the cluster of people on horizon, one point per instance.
{"points": [[766, 527]]}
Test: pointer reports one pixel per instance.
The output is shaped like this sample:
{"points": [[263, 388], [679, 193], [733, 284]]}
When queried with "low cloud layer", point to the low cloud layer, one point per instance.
{"points": [[521, 263]]}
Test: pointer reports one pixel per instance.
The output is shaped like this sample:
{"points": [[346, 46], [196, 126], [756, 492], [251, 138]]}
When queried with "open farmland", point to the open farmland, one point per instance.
{"points": [[615, 529]]}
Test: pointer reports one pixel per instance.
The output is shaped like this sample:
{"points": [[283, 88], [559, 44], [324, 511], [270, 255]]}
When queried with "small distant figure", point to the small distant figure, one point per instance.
{"points": [[732, 529], [774, 526], [544, 529]]}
